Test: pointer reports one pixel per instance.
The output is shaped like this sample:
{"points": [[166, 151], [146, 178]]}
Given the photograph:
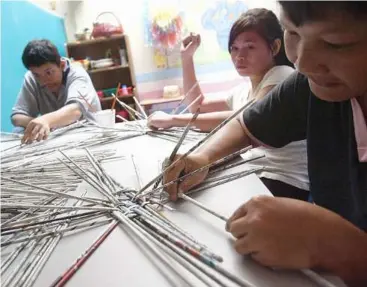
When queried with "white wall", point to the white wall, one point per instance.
{"points": [[63, 9], [130, 13]]}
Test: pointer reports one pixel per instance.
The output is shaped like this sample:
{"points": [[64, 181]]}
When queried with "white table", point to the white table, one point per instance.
{"points": [[119, 261]]}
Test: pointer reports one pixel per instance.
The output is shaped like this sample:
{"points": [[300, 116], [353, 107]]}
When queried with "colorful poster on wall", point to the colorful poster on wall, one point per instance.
{"points": [[163, 32], [219, 19], [211, 19]]}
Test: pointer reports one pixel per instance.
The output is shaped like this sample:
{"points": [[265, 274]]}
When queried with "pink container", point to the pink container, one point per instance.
{"points": [[100, 94], [123, 114]]}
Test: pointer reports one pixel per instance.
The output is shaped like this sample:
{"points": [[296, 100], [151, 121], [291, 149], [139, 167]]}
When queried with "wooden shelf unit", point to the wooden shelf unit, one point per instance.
{"points": [[96, 41], [109, 77], [107, 69], [121, 98]]}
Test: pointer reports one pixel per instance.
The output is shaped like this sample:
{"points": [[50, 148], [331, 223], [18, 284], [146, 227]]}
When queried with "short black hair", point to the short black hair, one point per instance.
{"points": [[40, 52], [265, 23], [300, 12]]}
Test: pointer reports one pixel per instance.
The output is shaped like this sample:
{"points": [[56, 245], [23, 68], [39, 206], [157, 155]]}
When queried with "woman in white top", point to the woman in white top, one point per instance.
{"points": [[256, 48]]}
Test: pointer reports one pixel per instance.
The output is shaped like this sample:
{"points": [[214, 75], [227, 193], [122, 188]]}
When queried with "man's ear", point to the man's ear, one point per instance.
{"points": [[275, 47], [62, 64]]}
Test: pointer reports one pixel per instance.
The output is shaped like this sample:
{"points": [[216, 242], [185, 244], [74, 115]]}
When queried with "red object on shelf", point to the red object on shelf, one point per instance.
{"points": [[124, 90], [123, 114], [102, 29], [129, 91], [100, 94]]}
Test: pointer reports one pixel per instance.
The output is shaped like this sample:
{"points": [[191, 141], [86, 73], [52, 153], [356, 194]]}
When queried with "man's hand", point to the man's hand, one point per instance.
{"points": [[37, 129], [182, 167], [190, 45], [160, 120], [289, 233]]}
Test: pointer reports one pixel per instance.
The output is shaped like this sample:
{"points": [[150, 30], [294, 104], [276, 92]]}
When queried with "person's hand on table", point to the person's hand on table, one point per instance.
{"points": [[286, 233], [37, 129], [182, 167], [160, 120], [190, 45]]}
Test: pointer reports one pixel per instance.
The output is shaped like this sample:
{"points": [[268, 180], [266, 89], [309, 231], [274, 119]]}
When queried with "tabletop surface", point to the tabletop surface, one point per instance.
{"points": [[123, 261]]}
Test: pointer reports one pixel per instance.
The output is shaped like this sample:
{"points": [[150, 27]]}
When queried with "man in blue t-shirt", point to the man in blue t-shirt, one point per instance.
{"points": [[325, 102]]}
